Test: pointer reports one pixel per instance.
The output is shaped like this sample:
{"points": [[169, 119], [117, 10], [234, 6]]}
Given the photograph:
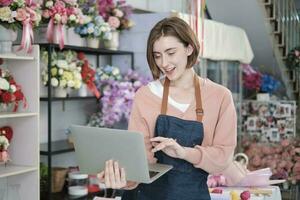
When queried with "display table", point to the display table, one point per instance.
{"points": [[257, 193]]}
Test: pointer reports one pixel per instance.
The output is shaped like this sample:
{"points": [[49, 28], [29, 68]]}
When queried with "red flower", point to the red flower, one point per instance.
{"points": [[6, 97], [81, 56], [19, 95]]}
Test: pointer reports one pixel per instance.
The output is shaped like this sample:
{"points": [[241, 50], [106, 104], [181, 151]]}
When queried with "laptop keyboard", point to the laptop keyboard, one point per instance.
{"points": [[152, 173]]}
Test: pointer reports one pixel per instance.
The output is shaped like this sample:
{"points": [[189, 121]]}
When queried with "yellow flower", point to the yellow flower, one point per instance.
{"points": [[5, 14], [53, 71]]}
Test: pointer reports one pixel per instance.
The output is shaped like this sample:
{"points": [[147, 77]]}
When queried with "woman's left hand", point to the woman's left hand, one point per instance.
{"points": [[169, 146]]}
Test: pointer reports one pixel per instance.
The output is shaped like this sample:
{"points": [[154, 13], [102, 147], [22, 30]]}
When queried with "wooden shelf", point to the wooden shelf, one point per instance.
{"points": [[17, 114], [15, 57], [57, 147], [11, 170]]}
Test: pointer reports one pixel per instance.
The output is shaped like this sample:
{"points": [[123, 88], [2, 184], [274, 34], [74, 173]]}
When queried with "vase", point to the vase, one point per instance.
{"points": [[83, 90], [6, 39], [74, 38], [113, 44], [7, 107], [60, 92], [263, 97], [93, 42]]}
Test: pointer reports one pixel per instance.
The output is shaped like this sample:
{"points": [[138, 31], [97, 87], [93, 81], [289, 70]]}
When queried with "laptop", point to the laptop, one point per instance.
{"points": [[94, 146]]}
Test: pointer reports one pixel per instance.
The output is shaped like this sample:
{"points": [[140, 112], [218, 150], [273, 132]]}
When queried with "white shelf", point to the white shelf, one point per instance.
{"points": [[16, 57], [11, 170], [16, 114]]}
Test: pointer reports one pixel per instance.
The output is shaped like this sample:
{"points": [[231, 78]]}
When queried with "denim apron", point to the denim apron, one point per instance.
{"points": [[184, 181]]}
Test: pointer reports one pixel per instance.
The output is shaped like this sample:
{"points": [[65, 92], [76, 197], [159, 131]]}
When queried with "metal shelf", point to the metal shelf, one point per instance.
{"points": [[87, 49], [57, 147], [67, 98]]}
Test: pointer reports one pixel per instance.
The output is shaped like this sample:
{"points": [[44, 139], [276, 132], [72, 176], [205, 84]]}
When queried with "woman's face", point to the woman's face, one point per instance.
{"points": [[171, 56]]}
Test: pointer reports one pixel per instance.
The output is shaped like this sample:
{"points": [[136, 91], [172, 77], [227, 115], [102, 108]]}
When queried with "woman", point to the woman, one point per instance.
{"points": [[187, 121]]}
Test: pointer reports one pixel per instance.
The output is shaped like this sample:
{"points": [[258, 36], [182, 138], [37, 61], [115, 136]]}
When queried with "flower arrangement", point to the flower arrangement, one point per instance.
{"points": [[117, 95], [251, 78], [21, 14], [254, 80], [88, 74], [283, 158], [293, 58], [6, 134], [116, 14], [269, 84], [65, 70], [60, 13], [10, 91], [93, 24]]}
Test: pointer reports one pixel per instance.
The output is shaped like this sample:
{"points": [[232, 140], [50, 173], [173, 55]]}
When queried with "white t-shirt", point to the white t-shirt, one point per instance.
{"points": [[157, 89]]}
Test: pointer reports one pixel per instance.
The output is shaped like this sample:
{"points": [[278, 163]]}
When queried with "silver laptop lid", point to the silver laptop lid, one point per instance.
{"points": [[94, 146]]}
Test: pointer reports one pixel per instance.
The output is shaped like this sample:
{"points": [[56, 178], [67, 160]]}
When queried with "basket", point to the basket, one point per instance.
{"points": [[58, 178]]}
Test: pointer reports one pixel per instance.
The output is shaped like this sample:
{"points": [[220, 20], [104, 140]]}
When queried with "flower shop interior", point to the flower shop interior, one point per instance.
{"points": [[65, 62]]}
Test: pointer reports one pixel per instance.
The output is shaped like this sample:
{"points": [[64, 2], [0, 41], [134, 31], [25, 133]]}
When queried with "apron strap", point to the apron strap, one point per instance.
{"points": [[199, 110]]}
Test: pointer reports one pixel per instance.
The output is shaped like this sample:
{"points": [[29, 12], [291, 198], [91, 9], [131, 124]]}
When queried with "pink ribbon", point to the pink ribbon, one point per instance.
{"points": [[58, 33], [61, 36], [50, 30], [27, 36]]}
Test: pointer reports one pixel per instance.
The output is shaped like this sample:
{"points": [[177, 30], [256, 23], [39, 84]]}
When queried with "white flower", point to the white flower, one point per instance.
{"points": [[72, 17], [60, 71], [71, 83], [77, 76], [63, 83], [57, 17], [62, 64], [4, 142], [77, 84], [72, 66], [54, 82], [49, 4], [115, 71], [4, 85], [13, 88], [86, 19]]}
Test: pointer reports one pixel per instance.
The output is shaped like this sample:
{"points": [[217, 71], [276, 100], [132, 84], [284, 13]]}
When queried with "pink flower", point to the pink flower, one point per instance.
{"points": [[113, 22], [118, 13], [5, 2], [285, 143], [21, 14]]}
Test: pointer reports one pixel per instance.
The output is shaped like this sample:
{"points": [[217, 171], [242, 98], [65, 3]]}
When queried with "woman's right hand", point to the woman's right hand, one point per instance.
{"points": [[113, 176]]}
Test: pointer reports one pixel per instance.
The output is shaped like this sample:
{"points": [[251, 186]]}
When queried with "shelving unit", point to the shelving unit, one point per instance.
{"points": [[52, 148], [23, 169]]}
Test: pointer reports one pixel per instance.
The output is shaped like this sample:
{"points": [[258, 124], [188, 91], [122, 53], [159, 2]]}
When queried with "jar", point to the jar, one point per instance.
{"points": [[78, 184]]}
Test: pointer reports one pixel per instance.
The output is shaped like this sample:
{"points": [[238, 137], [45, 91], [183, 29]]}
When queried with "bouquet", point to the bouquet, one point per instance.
{"points": [[6, 134], [21, 14], [293, 59], [283, 158], [116, 14], [269, 84], [10, 91], [93, 24], [251, 78], [88, 74], [60, 13], [117, 95], [65, 70]]}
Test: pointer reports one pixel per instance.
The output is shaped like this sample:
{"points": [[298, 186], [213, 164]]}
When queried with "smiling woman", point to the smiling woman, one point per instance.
{"points": [[187, 121]]}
